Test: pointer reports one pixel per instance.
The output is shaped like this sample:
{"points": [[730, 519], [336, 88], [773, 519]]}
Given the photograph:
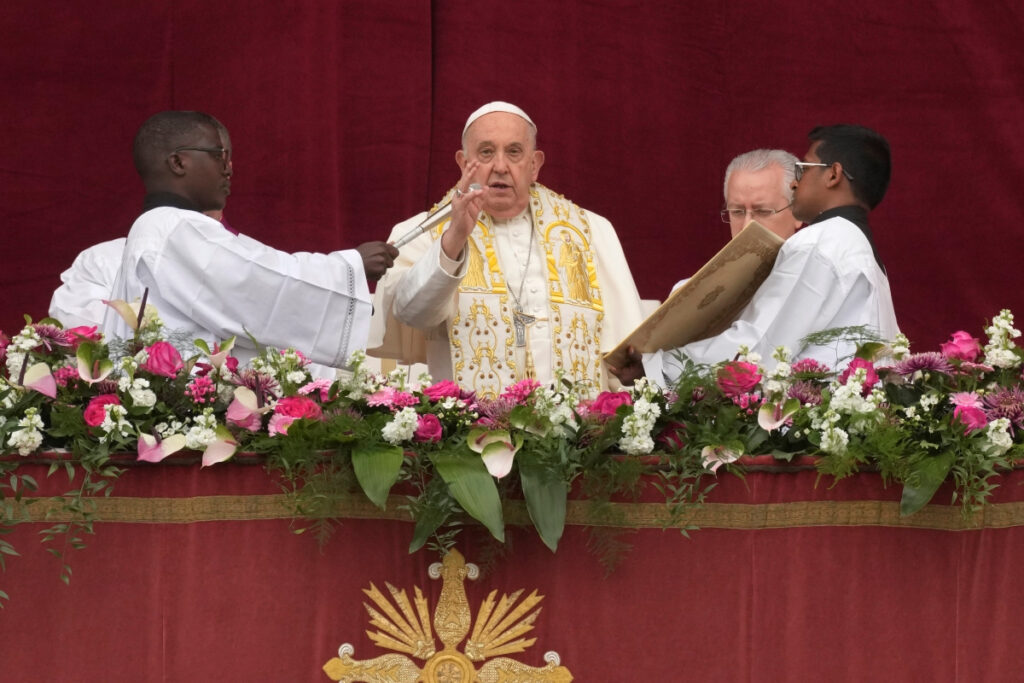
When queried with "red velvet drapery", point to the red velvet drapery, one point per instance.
{"points": [[784, 580], [345, 117]]}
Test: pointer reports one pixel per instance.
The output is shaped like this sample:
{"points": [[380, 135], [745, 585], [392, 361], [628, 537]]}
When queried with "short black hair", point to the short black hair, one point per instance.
{"points": [[162, 133], [863, 153]]}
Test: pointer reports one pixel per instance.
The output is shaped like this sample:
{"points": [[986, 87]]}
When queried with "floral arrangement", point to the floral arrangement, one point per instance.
{"points": [[918, 418]]}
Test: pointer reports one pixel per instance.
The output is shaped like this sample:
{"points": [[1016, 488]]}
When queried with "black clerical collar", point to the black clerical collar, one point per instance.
{"points": [[857, 215], [155, 200]]}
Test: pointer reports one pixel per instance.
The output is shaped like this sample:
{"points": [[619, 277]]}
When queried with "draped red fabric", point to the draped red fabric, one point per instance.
{"points": [[248, 600], [345, 117]]}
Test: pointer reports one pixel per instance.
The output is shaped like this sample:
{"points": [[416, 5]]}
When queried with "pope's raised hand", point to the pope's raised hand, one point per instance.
{"points": [[467, 204]]}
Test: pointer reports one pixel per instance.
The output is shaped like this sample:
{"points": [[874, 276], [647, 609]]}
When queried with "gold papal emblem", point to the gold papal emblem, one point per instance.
{"points": [[404, 627]]}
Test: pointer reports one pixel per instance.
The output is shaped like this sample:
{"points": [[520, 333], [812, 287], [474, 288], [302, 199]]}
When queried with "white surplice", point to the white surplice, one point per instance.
{"points": [[204, 280], [825, 277], [79, 300]]}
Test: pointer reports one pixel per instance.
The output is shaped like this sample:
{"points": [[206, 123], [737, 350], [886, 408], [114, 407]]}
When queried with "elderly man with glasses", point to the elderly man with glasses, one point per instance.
{"points": [[829, 275], [212, 283]]}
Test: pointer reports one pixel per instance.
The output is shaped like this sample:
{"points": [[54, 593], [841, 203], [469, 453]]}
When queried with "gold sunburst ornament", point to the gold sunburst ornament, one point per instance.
{"points": [[404, 627]]}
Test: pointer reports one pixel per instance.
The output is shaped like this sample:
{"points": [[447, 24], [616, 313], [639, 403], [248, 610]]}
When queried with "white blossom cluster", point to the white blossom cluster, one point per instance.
{"points": [[138, 389], [555, 406], [777, 382], [401, 427], [29, 435], [203, 431], [166, 429], [19, 346], [114, 423], [997, 436], [900, 346], [1001, 333], [636, 428], [356, 382]]}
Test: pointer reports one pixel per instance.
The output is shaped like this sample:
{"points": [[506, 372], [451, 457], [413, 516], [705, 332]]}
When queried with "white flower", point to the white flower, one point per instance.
{"points": [[900, 346], [29, 437], [114, 422], [297, 376], [15, 361], [929, 400], [142, 398], [641, 444], [124, 383], [1001, 358], [834, 440], [401, 427], [997, 433]]}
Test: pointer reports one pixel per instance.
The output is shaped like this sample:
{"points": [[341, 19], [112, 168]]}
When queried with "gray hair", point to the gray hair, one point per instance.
{"points": [[760, 159]]}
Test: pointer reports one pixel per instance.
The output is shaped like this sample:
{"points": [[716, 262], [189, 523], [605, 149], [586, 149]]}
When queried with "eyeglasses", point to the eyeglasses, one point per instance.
{"points": [[730, 215], [221, 153], [798, 170]]}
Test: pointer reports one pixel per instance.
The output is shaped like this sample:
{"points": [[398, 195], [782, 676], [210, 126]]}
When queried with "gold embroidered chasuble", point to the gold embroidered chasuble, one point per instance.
{"points": [[467, 330], [485, 351]]}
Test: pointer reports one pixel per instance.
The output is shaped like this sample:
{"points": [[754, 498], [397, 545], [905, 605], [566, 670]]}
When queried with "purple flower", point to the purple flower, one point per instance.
{"points": [[1006, 402], [808, 393], [932, 361]]}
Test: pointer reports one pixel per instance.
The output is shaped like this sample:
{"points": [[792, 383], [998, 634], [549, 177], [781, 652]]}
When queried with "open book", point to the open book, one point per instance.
{"points": [[709, 301]]}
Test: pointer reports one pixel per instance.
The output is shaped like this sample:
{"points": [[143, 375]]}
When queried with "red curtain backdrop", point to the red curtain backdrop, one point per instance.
{"points": [[345, 116], [231, 599]]}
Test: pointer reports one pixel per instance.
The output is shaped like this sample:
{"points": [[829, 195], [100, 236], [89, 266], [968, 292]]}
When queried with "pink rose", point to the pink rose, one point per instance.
{"points": [[961, 346], [607, 402], [163, 359], [95, 413], [298, 406], [231, 363], [870, 376], [289, 409], [443, 389], [428, 429], [77, 335], [737, 378]]}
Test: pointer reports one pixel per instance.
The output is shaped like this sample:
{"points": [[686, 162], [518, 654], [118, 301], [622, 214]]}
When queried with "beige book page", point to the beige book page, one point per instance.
{"points": [[709, 301]]}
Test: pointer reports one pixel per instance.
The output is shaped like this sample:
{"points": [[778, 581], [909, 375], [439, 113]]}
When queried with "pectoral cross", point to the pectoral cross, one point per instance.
{"points": [[519, 321]]}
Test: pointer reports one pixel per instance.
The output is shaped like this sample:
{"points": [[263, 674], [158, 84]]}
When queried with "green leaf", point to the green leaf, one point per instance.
{"points": [[545, 493], [426, 524], [473, 487], [377, 468], [929, 473]]}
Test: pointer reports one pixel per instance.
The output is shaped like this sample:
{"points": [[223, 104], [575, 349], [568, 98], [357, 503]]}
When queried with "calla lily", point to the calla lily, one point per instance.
{"points": [[714, 457], [89, 369], [221, 448], [244, 410], [129, 312], [220, 351], [38, 378], [497, 449], [771, 416], [152, 449]]}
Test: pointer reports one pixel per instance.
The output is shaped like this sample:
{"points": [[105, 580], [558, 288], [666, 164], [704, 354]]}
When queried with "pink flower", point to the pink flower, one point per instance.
{"points": [[443, 389], [607, 402], [519, 391], [971, 417], [737, 378], [809, 366], [428, 429], [65, 374], [201, 390], [961, 346], [163, 359], [870, 376], [966, 399], [231, 363], [322, 385], [77, 335], [95, 413], [298, 406], [292, 408], [391, 398]]}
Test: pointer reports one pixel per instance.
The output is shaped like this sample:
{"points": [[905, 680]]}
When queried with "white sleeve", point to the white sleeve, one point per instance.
{"points": [[318, 303], [799, 297], [89, 280]]}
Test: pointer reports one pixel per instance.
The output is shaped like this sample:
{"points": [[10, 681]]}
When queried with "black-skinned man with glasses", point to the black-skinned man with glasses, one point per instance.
{"points": [[828, 275], [213, 284]]}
